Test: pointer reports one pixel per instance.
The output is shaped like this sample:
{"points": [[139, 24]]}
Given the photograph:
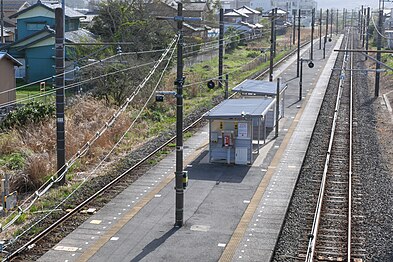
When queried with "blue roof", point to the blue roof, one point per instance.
{"points": [[240, 108], [259, 87]]}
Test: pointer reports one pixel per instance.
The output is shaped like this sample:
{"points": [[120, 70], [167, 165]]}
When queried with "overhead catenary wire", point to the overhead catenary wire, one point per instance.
{"points": [[53, 180], [83, 67], [56, 208], [52, 91]]}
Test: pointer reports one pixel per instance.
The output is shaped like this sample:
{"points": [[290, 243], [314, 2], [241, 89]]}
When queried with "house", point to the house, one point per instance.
{"points": [[190, 9], [35, 38], [11, 7], [244, 19], [7, 76], [305, 7]]}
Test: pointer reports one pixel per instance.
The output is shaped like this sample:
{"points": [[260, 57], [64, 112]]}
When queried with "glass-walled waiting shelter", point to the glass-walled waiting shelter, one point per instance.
{"points": [[231, 129]]}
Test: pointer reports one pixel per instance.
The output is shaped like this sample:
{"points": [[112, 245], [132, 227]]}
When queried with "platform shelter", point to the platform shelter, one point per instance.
{"points": [[262, 88], [232, 126]]}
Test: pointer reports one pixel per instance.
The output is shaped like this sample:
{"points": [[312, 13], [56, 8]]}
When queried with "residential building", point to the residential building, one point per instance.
{"points": [[243, 19], [7, 76], [305, 7], [11, 7], [35, 38]]}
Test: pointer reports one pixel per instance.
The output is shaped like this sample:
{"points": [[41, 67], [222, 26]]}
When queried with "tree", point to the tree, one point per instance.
{"points": [[130, 21]]}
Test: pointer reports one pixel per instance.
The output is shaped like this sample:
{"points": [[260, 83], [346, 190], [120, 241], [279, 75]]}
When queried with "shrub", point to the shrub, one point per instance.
{"points": [[31, 112]]}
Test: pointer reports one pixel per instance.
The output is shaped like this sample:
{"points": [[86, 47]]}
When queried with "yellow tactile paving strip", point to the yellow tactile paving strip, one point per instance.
{"points": [[130, 214], [240, 230]]}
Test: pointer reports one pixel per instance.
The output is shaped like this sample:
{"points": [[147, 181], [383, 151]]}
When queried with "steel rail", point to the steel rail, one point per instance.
{"points": [[47, 230], [349, 252], [314, 231]]}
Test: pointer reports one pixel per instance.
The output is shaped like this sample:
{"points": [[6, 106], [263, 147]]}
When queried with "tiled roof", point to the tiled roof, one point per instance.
{"points": [[69, 12], [14, 5]]}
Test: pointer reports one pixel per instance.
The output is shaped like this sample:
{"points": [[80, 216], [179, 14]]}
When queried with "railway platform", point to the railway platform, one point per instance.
{"points": [[231, 213]]}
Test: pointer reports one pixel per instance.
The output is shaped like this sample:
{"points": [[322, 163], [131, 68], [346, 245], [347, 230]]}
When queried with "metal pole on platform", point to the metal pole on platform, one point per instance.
{"points": [[312, 33], [379, 46], [60, 118], [326, 33], [272, 32], [221, 49], [298, 46], [301, 80], [331, 23], [320, 29], [277, 105], [226, 86]]}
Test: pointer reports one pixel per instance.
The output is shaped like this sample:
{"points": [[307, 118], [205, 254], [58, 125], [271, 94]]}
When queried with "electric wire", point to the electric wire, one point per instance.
{"points": [[56, 208], [84, 149]]}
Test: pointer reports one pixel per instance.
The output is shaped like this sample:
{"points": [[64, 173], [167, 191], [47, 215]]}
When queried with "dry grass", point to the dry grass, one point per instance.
{"points": [[38, 142]]}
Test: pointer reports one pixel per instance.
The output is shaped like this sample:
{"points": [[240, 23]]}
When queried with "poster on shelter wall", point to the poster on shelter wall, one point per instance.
{"points": [[242, 130]]}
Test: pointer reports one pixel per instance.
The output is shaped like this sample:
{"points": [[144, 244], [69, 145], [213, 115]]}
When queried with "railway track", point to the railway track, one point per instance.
{"points": [[332, 237], [27, 245]]}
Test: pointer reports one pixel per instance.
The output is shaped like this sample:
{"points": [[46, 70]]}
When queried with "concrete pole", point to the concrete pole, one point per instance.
{"points": [[60, 118]]}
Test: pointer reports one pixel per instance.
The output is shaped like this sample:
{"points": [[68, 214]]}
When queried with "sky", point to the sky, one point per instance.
{"points": [[349, 4]]}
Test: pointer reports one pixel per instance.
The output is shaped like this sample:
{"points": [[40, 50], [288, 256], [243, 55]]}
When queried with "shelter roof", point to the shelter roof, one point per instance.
{"points": [[258, 87], [241, 108]]}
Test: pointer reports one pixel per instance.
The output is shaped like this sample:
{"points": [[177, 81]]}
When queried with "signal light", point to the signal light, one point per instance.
{"points": [[159, 98], [310, 64], [211, 84], [330, 40]]}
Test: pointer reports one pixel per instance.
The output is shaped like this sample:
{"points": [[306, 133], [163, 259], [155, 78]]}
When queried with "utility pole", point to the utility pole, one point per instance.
{"points": [[361, 26], [331, 23], [312, 33], [337, 23], [226, 86], [298, 45], [379, 46], [367, 29], [60, 121], [326, 33], [344, 18], [320, 29], [2, 21], [294, 26], [272, 33], [221, 49], [179, 198]]}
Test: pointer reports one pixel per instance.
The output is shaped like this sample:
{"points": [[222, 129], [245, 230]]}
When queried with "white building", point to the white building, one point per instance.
{"points": [[305, 6]]}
